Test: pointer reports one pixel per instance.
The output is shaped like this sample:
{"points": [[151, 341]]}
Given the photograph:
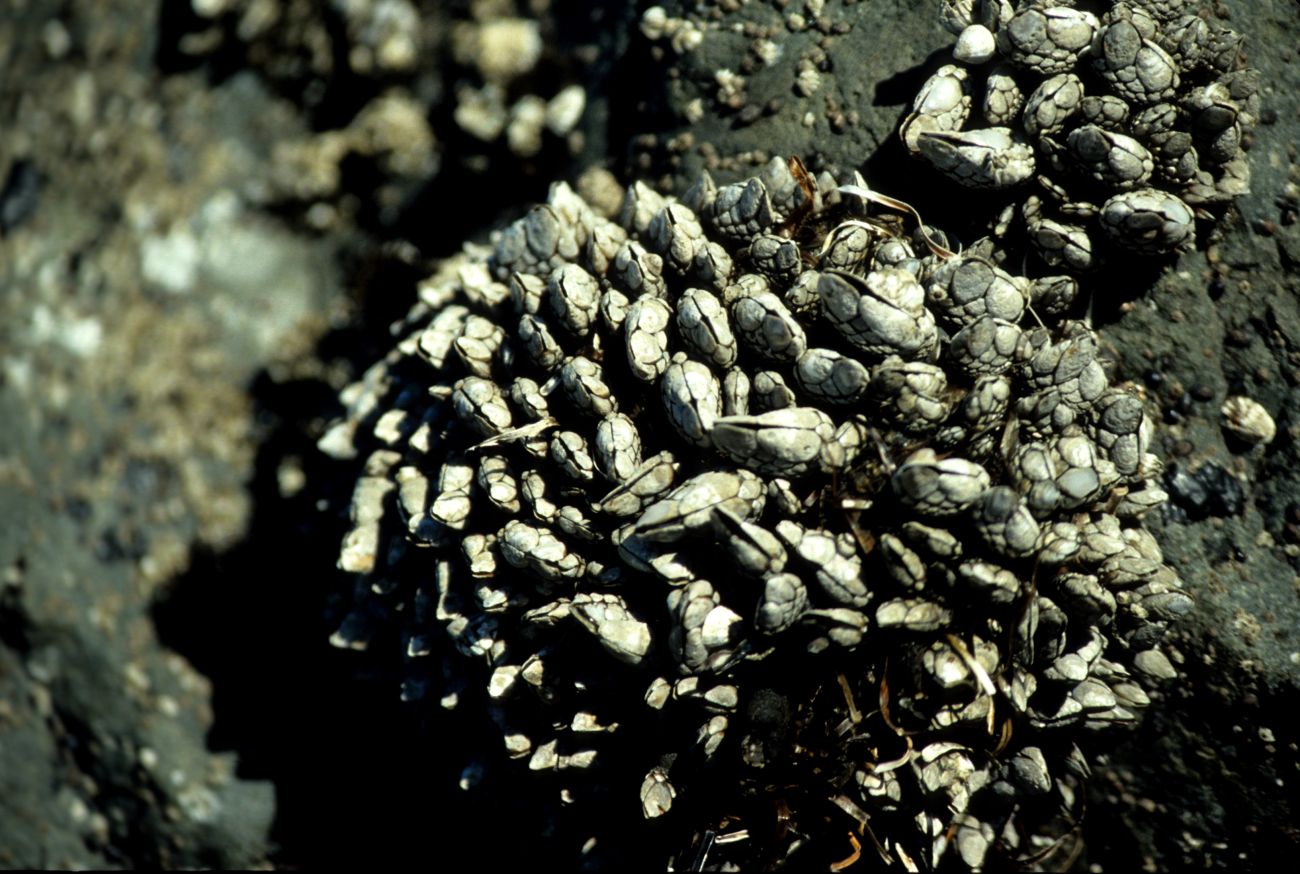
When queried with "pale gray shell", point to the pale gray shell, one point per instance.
{"points": [[640, 204], [895, 252], [692, 506], [645, 335], [1247, 420], [618, 448], [1122, 430], [1046, 41], [847, 247], [935, 487], [703, 624], [912, 395], [638, 271], [968, 287], [1140, 71], [985, 347], [770, 392], [742, 211], [1005, 523], [571, 452], [755, 550], [603, 246], [994, 157], [989, 581], [453, 502], [1104, 110], [621, 632], [692, 398], [1050, 106], [975, 45], [526, 293], [437, 338], [713, 265], [527, 396], [538, 243], [801, 297], [1111, 158], [834, 561], [785, 192], [651, 479], [777, 258], [883, 314], [700, 196], [479, 344], [1053, 295], [826, 375], [539, 342], [1061, 244], [1071, 368], [675, 234], [574, 295], [499, 484], [583, 382], [1148, 220], [480, 404], [703, 325], [1003, 98], [762, 322], [788, 442], [913, 614], [941, 106], [536, 548], [735, 392], [784, 600]]}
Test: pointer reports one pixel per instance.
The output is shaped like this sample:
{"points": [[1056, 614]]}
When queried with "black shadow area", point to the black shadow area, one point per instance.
{"points": [[324, 725]]}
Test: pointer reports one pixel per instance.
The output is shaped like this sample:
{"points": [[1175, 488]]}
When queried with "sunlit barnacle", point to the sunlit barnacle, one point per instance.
{"points": [[645, 332], [1116, 99], [1049, 106], [1046, 40], [942, 106], [845, 439], [1148, 220], [994, 157], [705, 328], [1247, 420]]}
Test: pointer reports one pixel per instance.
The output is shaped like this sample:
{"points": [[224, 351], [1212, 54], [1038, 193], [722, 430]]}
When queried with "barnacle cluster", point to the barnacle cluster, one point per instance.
{"points": [[1131, 119], [763, 512]]}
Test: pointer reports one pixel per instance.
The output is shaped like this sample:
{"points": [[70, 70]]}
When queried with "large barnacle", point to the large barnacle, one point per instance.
{"points": [[835, 514]]}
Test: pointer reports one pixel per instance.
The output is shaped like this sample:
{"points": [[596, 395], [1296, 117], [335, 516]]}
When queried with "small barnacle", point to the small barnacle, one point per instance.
{"points": [[1248, 421]]}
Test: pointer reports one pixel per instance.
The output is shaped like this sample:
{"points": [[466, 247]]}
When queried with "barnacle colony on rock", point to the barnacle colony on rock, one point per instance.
{"points": [[772, 507], [1130, 117]]}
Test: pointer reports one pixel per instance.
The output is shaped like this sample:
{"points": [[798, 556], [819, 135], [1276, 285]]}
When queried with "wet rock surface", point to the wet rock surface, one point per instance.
{"points": [[175, 324]]}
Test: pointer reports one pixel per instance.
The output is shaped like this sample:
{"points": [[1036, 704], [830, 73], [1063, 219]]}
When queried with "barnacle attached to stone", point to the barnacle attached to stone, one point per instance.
{"points": [[1092, 103], [1247, 420], [834, 479], [994, 157], [941, 107]]}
